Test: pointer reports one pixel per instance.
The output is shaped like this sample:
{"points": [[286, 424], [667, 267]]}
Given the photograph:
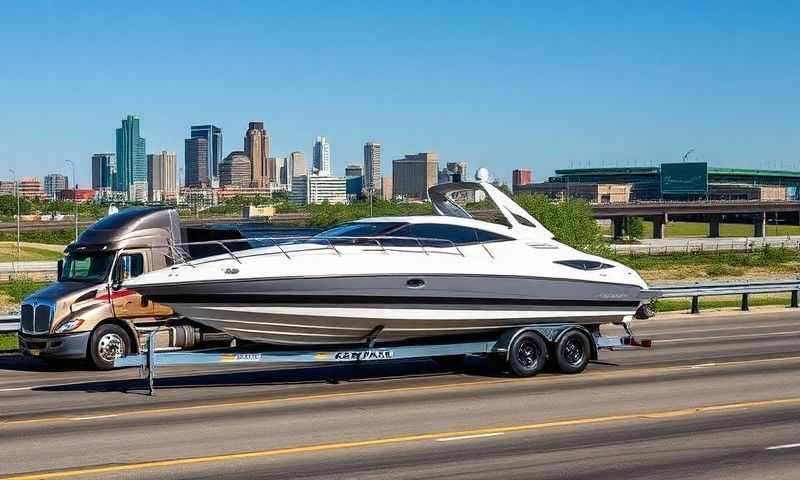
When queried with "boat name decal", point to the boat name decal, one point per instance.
{"points": [[241, 357], [362, 355]]}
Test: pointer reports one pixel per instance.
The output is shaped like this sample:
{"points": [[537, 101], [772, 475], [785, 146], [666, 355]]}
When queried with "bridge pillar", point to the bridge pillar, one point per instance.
{"points": [[713, 226], [760, 224], [660, 226], [619, 227]]}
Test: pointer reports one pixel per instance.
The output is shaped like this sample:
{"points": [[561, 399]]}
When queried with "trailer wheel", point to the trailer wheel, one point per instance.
{"points": [[450, 362], [108, 342], [527, 354], [572, 352]]}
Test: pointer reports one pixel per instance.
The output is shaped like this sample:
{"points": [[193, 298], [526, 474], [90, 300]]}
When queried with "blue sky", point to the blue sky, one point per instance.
{"points": [[508, 85]]}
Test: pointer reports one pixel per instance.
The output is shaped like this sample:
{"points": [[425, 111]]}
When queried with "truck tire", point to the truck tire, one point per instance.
{"points": [[107, 343], [527, 355], [572, 352]]}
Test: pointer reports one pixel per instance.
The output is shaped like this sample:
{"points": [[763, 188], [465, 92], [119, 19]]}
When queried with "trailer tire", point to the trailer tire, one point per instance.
{"points": [[107, 343], [572, 352], [527, 355], [450, 362]]}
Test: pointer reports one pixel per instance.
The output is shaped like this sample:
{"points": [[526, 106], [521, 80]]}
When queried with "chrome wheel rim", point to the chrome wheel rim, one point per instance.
{"points": [[527, 354], [110, 347], [573, 351]]}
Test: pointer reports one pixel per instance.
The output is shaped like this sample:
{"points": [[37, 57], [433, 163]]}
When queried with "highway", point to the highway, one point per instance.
{"points": [[717, 397]]}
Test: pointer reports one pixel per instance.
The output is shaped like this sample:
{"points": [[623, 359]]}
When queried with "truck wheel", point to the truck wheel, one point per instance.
{"points": [[572, 352], [527, 355], [107, 343]]}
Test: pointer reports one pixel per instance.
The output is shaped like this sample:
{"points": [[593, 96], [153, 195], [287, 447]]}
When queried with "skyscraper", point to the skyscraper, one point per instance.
{"points": [[162, 177], [298, 164], [235, 170], [414, 174], [372, 166], [54, 183], [256, 147], [322, 156], [104, 171], [213, 136], [271, 174], [131, 156], [196, 162]]}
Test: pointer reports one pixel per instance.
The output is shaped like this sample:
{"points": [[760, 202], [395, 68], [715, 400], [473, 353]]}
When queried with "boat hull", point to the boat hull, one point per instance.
{"points": [[346, 309]]}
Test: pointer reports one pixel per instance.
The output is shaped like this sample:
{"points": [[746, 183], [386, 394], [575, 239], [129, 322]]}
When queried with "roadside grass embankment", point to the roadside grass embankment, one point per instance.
{"points": [[701, 230], [12, 292], [28, 252]]}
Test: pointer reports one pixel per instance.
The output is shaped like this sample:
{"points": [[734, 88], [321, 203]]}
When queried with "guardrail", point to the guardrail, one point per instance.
{"points": [[745, 289], [9, 323], [29, 267], [706, 246]]}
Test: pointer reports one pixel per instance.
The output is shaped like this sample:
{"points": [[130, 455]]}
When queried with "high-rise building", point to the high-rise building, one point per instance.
{"points": [[162, 176], [414, 174], [520, 177], [196, 162], [453, 172], [271, 170], [353, 171], [54, 183], [282, 167], [372, 165], [131, 156], [256, 147], [298, 164], [213, 136], [236, 170], [322, 156], [104, 171], [386, 188], [308, 189]]}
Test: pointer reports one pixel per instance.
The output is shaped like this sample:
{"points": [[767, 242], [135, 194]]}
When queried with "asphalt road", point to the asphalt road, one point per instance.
{"points": [[717, 397]]}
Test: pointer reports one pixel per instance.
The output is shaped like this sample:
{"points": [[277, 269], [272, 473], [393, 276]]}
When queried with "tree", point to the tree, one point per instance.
{"points": [[570, 221], [634, 227], [8, 206]]}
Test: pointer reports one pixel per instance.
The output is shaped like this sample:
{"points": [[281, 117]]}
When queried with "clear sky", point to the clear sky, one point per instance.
{"points": [[507, 85]]}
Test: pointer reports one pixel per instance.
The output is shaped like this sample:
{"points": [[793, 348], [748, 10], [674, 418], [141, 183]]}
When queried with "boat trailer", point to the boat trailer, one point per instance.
{"points": [[525, 350]]}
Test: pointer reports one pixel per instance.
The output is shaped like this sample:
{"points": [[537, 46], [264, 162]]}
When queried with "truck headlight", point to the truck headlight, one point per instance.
{"points": [[69, 325]]}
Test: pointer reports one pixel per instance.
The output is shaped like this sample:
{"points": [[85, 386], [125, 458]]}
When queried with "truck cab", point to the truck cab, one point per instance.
{"points": [[87, 314]]}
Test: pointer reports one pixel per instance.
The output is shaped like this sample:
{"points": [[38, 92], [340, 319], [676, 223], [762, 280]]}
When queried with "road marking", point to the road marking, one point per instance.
{"points": [[724, 337], [704, 365], [94, 417], [783, 447], [468, 437], [684, 412], [445, 386]]}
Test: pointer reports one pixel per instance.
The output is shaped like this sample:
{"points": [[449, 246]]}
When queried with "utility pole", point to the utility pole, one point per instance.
{"points": [[16, 194], [74, 196]]}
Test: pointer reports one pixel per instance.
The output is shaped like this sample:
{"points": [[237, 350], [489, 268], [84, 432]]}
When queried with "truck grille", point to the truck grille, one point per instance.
{"points": [[36, 317], [26, 320]]}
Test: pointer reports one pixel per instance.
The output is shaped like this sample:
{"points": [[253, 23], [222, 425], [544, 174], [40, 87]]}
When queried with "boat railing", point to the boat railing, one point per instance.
{"points": [[181, 252]]}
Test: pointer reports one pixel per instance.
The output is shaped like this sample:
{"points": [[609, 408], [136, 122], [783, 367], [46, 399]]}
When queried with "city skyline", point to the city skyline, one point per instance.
{"points": [[558, 86]]}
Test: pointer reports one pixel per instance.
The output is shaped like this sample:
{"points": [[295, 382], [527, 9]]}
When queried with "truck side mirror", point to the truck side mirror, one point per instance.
{"points": [[59, 269], [118, 275]]}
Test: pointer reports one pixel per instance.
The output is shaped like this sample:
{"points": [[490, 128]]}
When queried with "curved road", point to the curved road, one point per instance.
{"points": [[717, 397]]}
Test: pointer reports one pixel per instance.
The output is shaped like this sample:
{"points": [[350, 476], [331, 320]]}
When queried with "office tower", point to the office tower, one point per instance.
{"points": [[386, 188], [104, 169], [236, 170], [372, 165], [196, 162], [353, 171], [213, 136], [256, 147], [282, 167], [520, 177], [310, 189], [298, 164], [162, 178], [131, 157], [54, 183], [414, 174], [271, 170], [322, 156]]}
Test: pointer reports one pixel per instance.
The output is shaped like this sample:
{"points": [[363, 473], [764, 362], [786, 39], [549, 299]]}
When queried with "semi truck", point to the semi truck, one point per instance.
{"points": [[87, 314]]}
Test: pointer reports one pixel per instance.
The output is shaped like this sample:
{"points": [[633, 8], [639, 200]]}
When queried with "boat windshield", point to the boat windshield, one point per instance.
{"points": [[87, 267], [360, 229]]}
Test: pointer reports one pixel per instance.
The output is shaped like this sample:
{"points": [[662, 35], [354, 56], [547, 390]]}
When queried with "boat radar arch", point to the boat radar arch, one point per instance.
{"points": [[516, 216]]}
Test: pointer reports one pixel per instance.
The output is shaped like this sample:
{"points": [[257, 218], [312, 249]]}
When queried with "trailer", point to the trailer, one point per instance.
{"points": [[523, 351]]}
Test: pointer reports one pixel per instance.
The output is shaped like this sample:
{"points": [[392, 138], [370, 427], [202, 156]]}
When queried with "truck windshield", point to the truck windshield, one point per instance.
{"points": [[87, 267]]}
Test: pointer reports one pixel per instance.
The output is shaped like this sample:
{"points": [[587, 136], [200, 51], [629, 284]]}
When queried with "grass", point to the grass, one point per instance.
{"points": [[8, 253], [19, 288], [733, 301], [693, 229], [8, 342]]}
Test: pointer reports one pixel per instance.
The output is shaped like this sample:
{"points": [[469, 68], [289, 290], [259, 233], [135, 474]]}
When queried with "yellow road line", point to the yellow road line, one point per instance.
{"points": [[405, 439], [394, 390]]}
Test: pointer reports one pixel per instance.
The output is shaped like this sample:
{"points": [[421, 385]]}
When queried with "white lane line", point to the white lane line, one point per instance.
{"points": [[783, 447], [714, 329], [704, 365], [722, 337], [468, 437], [94, 417]]}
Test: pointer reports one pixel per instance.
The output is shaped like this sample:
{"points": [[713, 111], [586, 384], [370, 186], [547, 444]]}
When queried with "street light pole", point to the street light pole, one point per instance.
{"points": [[74, 196], [16, 194]]}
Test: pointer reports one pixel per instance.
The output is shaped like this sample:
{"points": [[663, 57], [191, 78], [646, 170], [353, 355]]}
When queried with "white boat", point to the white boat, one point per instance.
{"points": [[406, 278]]}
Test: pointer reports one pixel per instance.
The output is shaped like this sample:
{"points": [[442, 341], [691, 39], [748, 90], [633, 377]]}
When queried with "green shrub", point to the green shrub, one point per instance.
{"points": [[717, 270]]}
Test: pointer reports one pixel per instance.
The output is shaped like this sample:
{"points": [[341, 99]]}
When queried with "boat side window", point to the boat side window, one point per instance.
{"points": [[584, 264], [440, 235], [485, 237], [522, 220]]}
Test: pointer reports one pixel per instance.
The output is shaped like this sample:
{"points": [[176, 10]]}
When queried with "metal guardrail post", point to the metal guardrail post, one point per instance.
{"points": [[794, 303], [695, 304], [745, 302], [151, 363]]}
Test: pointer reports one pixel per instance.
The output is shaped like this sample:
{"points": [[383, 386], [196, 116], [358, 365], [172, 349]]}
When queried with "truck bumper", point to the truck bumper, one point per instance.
{"points": [[62, 346]]}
